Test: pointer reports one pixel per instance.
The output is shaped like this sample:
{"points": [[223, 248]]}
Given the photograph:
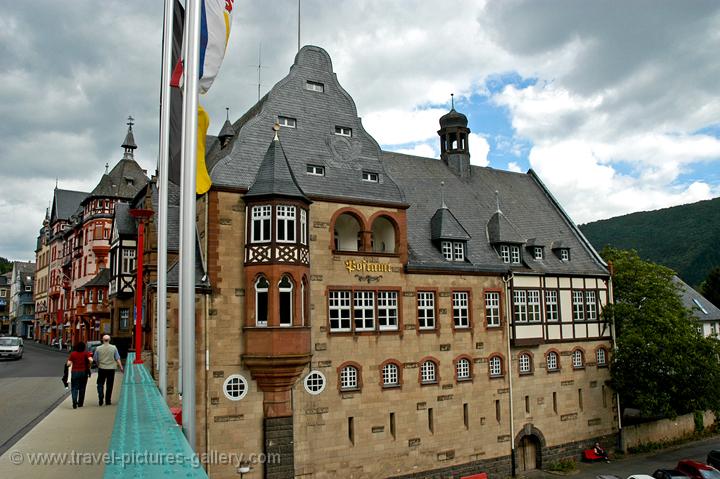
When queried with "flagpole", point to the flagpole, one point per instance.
{"points": [[163, 197], [187, 216]]}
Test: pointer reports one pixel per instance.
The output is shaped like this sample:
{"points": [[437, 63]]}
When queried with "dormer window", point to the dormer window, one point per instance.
{"points": [[565, 254], [453, 250], [538, 252], [510, 254], [287, 122], [370, 176], [343, 131], [314, 86], [315, 170]]}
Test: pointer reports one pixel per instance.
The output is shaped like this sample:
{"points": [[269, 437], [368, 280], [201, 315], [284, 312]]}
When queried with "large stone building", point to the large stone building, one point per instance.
{"points": [[5, 303], [22, 305], [375, 314]]}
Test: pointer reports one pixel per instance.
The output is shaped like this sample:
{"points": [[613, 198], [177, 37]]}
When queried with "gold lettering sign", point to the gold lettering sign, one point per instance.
{"points": [[364, 266]]}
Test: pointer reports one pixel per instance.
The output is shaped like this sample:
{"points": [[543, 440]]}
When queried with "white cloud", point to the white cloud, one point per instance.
{"points": [[421, 149], [398, 127], [512, 166], [479, 149]]}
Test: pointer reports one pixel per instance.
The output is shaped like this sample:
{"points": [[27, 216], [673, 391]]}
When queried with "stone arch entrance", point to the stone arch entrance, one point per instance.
{"points": [[529, 445]]}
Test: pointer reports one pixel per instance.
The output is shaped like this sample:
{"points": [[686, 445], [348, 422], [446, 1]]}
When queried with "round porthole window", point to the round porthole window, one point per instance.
{"points": [[315, 382], [235, 387]]}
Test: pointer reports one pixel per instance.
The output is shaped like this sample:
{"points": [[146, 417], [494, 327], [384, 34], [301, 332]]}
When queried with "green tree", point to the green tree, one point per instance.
{"points": [[5, 265], [710, 287], [663, 365]]}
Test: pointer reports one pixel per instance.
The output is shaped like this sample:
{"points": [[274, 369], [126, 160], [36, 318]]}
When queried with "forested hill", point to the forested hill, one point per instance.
{"points": [[685, 238]]}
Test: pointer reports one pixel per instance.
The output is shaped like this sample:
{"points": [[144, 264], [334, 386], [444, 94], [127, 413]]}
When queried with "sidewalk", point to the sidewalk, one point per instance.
{"points": [[67, 442]]}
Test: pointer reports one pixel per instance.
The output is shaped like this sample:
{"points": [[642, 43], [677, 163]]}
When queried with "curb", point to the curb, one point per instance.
{"points": [[4, 447], [45, 347]]}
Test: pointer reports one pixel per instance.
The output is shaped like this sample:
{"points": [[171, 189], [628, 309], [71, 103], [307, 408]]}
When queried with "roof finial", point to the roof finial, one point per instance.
{"points": [[276, 128], [497, 200], [56, 182], [107, 165], [452, 100], [130, 122], [227, 113], [442, 195]]}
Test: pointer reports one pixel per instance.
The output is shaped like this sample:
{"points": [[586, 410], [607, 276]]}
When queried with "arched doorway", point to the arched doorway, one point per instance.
{"points": [[528, 453]]}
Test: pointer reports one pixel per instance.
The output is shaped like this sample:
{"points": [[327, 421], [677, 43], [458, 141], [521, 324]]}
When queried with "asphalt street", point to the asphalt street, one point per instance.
{"points": [[29, 388]]}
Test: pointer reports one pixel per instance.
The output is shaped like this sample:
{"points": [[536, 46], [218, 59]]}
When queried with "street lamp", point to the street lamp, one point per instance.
{"points": [[140, 215]]}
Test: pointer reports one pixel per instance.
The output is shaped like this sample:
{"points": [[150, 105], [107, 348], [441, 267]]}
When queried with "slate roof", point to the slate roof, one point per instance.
{"points": [[697, 302], [275, 177], [444, 225], [226, 131], [101, 279], [123, 222], [173, 219], [123, 181], [501, 230], [530, 208], [312, 141], [66, 203], [201, 279]]}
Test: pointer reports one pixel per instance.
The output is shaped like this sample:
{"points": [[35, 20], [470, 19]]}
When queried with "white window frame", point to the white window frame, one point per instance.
{"points": [[520, 313], [591, 305], [128, 260], [231, 384], [287, 122], [364, 310], [286, 289], [349, 378], [495, 366], [447, 250], [391, 375], [538, 252], [124, 318], [315, 382], [525, 363], [371, 176], [315, 170], [534, 310], [261, 223], [551, 306], [343, 131], [286, 216], [492, 309], [552, 361], [515, 254], [505, 253], [578, 360], [426, 310], [458, 251], [303, 227], [428, 372], [564, 254], [315, 86], [462, 369], [601, 357], [339, 302], [387, 305], [578, 305], [461, 309]]}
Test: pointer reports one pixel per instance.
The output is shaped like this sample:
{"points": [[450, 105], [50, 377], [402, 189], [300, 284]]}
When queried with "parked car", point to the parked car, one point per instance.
{"points": [[697, 470], [669, 474], [11, 347], [713, 458]]}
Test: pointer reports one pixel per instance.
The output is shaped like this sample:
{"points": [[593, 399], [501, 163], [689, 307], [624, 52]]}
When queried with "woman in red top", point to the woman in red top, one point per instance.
{"points": [[79, 361]]}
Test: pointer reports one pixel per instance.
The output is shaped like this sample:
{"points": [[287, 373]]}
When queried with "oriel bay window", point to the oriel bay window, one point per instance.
{"points": [[363, 306], [261, 301]]}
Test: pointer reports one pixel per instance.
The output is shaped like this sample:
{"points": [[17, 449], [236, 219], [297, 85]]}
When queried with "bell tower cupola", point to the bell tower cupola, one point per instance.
{"points": [[454, 148]]}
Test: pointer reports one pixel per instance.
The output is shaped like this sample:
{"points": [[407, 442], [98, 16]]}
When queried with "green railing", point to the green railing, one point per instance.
{"points": [[146, 441]]}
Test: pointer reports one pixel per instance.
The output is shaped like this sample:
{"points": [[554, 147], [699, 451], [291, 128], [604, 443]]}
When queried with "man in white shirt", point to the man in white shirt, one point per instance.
{"points": [[106, 357]]}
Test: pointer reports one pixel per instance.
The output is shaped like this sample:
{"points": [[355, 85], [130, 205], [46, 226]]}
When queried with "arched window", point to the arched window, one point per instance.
{"points": [[428, 372], [261, 301], [552, 361], [578, 361], [349, 378], [525, 363], [285, 288], [462, 369], [383, 235], [347, 233], [390, 375], [495, 366], [302, 302]]}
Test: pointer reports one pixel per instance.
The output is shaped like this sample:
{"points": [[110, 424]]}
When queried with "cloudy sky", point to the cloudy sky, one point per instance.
{"points": [[616, 105]]}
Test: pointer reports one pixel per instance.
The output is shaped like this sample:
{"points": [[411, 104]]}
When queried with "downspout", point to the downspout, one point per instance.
{"points": [[508, 315], [205, 328]]}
